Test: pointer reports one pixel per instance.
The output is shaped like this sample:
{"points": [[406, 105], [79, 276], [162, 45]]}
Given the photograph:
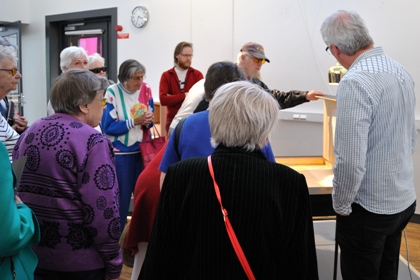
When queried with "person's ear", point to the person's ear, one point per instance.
{"points": [[336, 51], [84, 108]]}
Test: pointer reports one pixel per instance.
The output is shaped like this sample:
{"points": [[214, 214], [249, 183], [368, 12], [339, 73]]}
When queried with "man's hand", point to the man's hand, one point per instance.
{"points": [[311, 95]]}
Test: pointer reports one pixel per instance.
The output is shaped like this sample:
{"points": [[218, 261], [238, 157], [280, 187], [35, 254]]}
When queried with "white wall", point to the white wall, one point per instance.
{"points": [[288, 30]]}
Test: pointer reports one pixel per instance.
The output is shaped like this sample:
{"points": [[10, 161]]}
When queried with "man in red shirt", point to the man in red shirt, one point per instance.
{"points": [[177, 81]]}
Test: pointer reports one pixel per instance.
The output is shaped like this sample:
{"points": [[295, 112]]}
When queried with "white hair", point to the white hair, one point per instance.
{"points": [[67, 55], [7, 50], [242, 115], [94, 58]]}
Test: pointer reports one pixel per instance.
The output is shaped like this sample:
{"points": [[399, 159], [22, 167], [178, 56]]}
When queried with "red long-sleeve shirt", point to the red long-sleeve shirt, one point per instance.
{"points": [[170, 93]]}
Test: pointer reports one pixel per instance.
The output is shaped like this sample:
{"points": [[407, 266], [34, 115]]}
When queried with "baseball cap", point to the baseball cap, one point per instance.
{"points": [[255, 50]]}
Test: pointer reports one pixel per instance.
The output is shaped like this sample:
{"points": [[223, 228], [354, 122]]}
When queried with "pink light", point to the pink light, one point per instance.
{"points": [[90, 45]]}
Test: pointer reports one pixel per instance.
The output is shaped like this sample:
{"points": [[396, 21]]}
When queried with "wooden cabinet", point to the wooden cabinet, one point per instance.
{"points": [[318, 171]]}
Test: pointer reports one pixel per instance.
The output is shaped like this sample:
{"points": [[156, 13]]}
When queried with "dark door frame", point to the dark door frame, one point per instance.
{"points": [[54, 40]]}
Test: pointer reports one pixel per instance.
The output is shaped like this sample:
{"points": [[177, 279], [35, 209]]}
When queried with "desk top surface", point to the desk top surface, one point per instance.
{"points": [[318, 177]]}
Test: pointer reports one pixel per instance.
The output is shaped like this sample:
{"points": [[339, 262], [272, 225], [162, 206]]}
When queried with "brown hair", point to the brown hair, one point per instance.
{"points": [[179, 48]]}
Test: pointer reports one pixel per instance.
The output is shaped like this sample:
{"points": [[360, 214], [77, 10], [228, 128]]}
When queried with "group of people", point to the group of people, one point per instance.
{"points": [[66, 217]]}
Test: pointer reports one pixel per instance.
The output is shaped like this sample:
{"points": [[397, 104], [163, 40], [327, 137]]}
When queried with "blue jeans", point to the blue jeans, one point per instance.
{"points": [[370, 243]]}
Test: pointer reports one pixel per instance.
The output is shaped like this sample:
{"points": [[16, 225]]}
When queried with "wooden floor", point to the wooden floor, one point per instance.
{"points": [[413, 238]]}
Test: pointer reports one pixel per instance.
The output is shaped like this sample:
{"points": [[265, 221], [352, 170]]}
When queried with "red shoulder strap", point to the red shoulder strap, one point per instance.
{"points": [[229, 229]]}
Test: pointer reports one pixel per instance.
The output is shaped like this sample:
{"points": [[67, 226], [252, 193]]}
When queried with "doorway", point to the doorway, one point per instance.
{"points": [[92, 30]]}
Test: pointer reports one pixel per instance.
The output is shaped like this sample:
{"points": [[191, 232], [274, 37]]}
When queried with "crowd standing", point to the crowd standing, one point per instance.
{"points": [[65, 214]]}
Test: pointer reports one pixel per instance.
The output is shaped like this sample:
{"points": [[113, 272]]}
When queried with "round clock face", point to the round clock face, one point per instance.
{"points": [[139, 16]]}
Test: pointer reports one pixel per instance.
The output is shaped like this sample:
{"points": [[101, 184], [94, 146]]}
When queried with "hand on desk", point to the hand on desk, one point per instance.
{"points": [[311, 95]]}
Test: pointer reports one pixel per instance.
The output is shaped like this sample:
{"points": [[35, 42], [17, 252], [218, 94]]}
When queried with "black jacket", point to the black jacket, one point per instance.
{"points": [[268, 206], [285, 99]]}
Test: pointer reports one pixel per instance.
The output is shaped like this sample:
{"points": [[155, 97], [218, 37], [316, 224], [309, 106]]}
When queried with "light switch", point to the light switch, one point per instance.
{"points": [[303, 117], [296, 116]]}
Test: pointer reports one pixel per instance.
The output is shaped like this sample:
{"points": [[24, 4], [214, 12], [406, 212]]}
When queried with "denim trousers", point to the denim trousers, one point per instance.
{"points": [[370, 243]]}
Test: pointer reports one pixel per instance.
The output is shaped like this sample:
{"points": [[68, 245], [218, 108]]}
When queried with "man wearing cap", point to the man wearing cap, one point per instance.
{"points": [[250, 59]]}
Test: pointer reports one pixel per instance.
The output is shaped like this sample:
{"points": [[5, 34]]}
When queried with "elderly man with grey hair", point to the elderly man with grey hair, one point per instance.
{"points": [[16, 121], [267, 203], [250, 59], [9, 77], [375, 136], [70, 58]]}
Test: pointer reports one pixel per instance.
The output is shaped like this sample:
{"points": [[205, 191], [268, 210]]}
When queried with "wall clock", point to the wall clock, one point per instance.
{"points": [[139, 16]]}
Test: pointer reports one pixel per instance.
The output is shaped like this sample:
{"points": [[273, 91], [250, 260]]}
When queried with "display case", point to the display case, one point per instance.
{"points": [[318, 171]]}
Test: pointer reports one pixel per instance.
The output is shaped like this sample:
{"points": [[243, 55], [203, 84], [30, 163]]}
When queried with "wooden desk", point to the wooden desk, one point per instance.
{"points": [[319, 176]]}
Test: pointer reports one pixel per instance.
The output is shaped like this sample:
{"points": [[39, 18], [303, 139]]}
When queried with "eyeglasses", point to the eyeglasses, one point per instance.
{"points": [[187, 55], [12, 72], [327, 49], [257, 60], [103, 101], [141, 78], [98, 70]]}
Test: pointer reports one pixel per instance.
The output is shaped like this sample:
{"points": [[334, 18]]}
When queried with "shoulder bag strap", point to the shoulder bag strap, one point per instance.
{"points": [[177, 134], [229, 229]]}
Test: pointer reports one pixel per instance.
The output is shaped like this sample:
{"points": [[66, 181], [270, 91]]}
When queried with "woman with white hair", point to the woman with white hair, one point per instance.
{"points": [[267, 203], [70, 58], [96, 65], [73, 57]]}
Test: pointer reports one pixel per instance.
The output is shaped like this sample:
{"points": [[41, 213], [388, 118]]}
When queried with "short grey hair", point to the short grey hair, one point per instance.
{"points": [[7, 48], [67, 55], [5, 52], [347, 31], [73, 88], [104, 82], [242, 114], [128, 69], [94, 58]]}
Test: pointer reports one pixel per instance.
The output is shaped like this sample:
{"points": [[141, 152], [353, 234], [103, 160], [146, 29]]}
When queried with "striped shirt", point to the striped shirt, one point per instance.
{"points": [[375, 136], [8, 136]]}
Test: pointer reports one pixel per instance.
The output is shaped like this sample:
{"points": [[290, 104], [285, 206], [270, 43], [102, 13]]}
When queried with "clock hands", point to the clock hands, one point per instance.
{"points": [[139, 16]]}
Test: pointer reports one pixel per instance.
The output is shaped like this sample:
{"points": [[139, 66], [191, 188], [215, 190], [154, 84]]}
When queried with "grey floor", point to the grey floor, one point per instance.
{"points": [[325, 240]]}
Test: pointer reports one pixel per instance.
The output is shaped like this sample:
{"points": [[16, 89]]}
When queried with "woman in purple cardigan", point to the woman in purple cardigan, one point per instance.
{"points": [[70, 182]]}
